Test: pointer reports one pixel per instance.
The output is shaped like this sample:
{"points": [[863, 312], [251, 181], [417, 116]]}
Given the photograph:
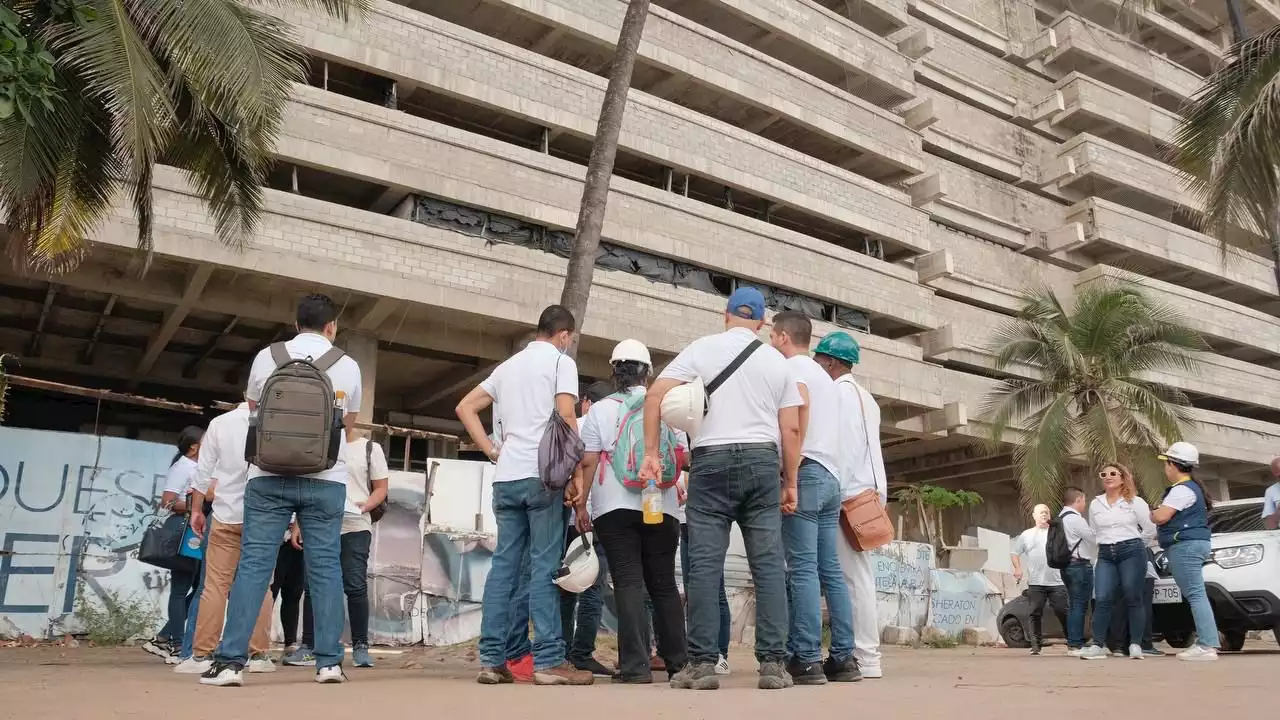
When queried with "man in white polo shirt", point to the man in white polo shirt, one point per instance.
{"points": [[861, 469], [530, 386], [270, 501], [812, 533], [737, 475]]}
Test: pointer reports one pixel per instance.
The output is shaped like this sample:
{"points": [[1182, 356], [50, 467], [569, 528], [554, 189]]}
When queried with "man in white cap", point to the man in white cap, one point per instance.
{"points": [[753, 413]]}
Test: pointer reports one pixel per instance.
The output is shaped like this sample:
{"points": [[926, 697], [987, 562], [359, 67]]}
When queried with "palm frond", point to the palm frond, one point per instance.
{"points": [[341, 9], [1042, 459]]}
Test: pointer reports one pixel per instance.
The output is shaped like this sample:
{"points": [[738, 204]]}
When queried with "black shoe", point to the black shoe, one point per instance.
{"points": [[595, 667], [1035, 649], [223, 674], [620, 679], [804, 673], [841, 670]]}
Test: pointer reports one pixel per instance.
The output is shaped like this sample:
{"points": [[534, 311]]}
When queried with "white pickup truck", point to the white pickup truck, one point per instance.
{"points": [[1242, 580]]}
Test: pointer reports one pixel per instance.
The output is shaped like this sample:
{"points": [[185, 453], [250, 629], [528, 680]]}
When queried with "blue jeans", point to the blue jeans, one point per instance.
{"points": [[1186, 562], [726, 620], [1078, 577], [736, 483], [580, 612], [268, 504], [1121, 567], [530, 523], [811, 534], [193, 612]]}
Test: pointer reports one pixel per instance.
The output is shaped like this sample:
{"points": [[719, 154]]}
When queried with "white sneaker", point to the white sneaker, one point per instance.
{"points": [[173, 660], [160, 648], [330, 675], [1093, 652], [261, 664], [722, 667], [1198, 653], [1075, 652], [194, 666], [1135, 652], [873, 672], [223, 675]]}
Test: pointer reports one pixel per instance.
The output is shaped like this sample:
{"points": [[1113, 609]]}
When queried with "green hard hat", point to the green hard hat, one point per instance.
{"points": [[841, 346]]}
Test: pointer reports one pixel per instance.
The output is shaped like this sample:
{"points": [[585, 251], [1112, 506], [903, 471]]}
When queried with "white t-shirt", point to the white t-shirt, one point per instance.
{"points": [[359, 485], [599, 431], [862, 459], [1180, 497], [526, 385], [222, 460], [345, 376], [745, 408], [1271, 500], [822, 435], [1120, 522], [181, 474], [1030, 546]]}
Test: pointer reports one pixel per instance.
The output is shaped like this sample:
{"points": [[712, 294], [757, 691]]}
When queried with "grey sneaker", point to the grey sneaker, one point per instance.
{"points": [[773, 676], [360, 656], [699, 676], [302, 657], [1093, 652]]}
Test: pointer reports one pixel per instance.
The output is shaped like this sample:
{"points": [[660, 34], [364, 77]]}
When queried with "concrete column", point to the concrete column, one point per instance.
{"points": [[363, 348], [1224, 489]]}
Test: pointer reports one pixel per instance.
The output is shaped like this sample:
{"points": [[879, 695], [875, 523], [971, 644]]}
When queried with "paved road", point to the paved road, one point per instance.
{"points": [[983, 684]]}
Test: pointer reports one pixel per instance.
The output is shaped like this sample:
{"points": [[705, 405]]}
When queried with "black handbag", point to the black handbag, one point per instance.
{"points": [[161, 543]]}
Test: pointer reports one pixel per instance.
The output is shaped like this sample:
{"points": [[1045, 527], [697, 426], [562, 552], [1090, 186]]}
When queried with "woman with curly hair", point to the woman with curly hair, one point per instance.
{"points": [[1121, 521]]}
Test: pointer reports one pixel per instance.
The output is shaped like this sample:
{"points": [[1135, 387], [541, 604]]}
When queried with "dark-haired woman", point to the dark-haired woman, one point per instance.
{"points": [[1183, 519], [182, 584]]}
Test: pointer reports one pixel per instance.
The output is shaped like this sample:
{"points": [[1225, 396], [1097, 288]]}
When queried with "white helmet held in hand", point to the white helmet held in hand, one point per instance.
{"points": [[684, 405], [581, 565], [633, 350]]}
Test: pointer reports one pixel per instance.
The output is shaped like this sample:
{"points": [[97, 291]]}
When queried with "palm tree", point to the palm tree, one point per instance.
{"points": [[100, 91], [1092, 396], [1228, 144]]}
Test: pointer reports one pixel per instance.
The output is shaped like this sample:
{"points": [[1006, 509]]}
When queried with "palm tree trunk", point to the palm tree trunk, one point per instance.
{"points": [[595, 192], [1275, 243], [1236, 15]]}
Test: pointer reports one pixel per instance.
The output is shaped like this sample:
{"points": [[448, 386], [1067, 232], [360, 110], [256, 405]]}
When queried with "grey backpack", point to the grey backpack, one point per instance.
{"points": [[297, 429], [560, 449]]}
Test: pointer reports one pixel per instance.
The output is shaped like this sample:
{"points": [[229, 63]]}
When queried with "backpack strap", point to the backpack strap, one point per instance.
{"points": [[368, 462], [327, 360], [733, 366], [280, 354]]}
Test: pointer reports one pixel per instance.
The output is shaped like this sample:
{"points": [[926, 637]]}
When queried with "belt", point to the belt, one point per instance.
{"points": [[735, 447]]}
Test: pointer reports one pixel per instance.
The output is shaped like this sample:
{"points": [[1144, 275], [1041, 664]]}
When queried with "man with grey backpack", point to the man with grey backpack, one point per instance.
{"points": [[302, 395]]}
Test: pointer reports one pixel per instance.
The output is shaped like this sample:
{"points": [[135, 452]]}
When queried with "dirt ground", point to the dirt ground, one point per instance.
{"points": [[986, 683]]}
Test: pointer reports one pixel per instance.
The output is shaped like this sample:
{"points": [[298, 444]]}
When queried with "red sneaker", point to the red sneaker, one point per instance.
{"points": [[522, 669]]}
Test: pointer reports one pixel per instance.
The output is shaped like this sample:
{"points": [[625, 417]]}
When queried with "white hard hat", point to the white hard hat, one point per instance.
{"points": [[581, 565], [631, 350], [684, 405], [1182, 452]]}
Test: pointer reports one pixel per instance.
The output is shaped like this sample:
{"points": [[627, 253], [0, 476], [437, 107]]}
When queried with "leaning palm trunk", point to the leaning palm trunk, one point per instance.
{"points": [[110, 88]]}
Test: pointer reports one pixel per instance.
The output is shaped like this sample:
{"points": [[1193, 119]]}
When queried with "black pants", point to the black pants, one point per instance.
{"points": [[643, 557], [288, 585], [1055, 595], [1118, 633], [355, 584]]}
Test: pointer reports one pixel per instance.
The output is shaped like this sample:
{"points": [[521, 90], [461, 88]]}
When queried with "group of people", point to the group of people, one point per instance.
{"points": [[1111, 561], [776, 442], [254, 526]]}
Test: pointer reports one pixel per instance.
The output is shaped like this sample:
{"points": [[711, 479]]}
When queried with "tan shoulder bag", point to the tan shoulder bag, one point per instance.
{"points": [[863, 520]]}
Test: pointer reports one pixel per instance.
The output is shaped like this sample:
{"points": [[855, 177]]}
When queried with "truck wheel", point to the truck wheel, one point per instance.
{"points": [[1015, 636], [1233, 640], [1178, 639]]}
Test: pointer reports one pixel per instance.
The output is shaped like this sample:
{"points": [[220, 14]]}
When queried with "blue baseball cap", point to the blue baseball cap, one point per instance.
{"points": [[746, 303]]}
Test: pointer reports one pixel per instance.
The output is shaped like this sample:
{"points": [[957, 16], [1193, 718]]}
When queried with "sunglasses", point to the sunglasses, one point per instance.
{"points": [[1108, 474]]}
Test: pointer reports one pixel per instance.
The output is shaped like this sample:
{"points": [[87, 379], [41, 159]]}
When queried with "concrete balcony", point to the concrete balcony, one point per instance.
{"points": [[460, 276], [1081, 104], [808, 36], [1232, 330], [1098, 231], [970, 136], [985, 274], [975, 76], [981, 24], [981, 205], [453, 62], [1160, 33], [1090, 166], [1209, 17], [698, 68], [882, 17], [412, 155], [1073, 44]]}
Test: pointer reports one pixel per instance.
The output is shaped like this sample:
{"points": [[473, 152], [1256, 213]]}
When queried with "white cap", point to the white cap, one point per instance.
{"points": [[581, 565], [684, 405], [633, 350], [1183, 453]]}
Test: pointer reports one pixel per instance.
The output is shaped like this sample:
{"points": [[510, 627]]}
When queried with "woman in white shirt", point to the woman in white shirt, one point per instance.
{"points": [[182, 584], [642, 556], [1121, 521]]}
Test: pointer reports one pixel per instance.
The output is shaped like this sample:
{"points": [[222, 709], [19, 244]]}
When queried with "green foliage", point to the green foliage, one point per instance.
{"points": [[941, 641], [116, 620], [1093, 395], [929, 502], [101, 91], [5, 358]]}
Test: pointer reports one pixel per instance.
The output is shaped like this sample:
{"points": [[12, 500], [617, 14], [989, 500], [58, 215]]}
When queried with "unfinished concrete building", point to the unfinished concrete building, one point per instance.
{"points": [[902, 168]]}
